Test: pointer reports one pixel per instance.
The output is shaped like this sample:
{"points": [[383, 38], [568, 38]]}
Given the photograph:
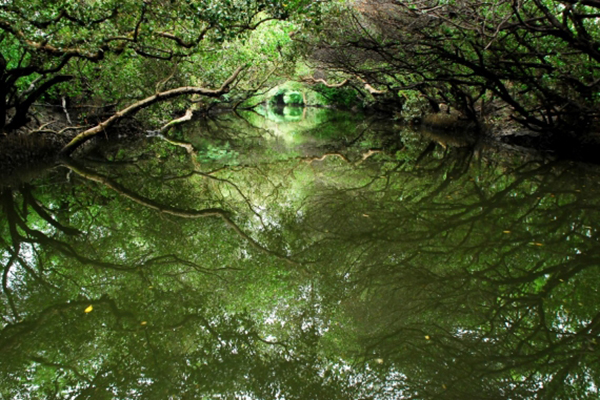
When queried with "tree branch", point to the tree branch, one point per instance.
{"points": [[22, 109], [148, 101], [311, 79]]}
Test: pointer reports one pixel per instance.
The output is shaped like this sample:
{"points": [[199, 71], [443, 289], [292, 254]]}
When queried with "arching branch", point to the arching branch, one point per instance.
{"points": [[22, 109], [311, 79], [148, 101]]}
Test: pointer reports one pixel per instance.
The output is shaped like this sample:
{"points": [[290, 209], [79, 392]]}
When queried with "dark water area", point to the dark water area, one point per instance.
{"points": [[303, 255]]}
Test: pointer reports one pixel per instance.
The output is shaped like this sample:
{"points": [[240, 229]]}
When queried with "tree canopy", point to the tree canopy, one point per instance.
{"points": [[538, 59], [505, 63], [120, 51]]}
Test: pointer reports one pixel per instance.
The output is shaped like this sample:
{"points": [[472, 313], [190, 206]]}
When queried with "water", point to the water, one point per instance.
{"points": [[330, 256]]}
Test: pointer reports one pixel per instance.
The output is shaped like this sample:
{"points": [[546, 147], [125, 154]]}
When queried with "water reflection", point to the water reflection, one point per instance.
{"points": [[346, 264]]}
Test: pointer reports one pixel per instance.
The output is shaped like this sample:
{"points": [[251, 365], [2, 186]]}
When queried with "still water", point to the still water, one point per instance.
{"points": [[322, 256]]}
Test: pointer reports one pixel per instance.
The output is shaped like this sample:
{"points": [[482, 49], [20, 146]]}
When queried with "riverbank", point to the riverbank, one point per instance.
{"points": [[560, 145], [23, 150]]}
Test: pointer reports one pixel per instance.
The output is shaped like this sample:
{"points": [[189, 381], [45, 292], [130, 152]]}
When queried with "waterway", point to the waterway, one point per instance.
{"points": [[305, 255]]}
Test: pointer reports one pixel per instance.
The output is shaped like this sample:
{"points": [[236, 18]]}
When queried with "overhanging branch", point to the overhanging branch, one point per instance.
{"points": [[148, 101]]}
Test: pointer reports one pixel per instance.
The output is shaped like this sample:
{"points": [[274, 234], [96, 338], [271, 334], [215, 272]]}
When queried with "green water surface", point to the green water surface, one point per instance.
{"points": [[326, 256]]}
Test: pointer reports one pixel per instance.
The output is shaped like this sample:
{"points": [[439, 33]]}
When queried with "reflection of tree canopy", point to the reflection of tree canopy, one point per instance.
{"points": [[426, 273], [158, 325], [476, 283]]}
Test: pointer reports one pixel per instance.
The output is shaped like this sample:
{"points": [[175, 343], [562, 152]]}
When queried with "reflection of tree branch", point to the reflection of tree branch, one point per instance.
{"points": [[194, 158], [169, 258], [31, 272], [28, 197], [121, 190], [237, 189], [5, 288], [35, 236], [11, 334], [364, 156], [47, 363], [178, 212], [9, 210]]}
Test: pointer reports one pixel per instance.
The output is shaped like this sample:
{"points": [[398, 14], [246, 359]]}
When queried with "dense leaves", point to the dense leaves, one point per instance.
{"points": [[539, 59], [533, 62], [119, 51]]}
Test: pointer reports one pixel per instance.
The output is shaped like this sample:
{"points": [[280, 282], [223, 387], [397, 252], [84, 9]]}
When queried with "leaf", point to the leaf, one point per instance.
{"points": [[89, 309]]}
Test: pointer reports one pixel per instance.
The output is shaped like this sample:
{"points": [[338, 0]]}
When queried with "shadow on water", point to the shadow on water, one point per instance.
{"points": [[324, 259]]}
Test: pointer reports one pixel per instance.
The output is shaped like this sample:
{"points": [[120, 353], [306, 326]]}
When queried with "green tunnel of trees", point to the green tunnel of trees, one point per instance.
{"points": [[529, 63]]}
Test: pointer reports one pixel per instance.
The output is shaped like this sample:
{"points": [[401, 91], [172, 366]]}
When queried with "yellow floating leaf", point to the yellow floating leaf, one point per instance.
{"points": [[144, 323], [427, 337], [366, 215], [444, 387], [505, 231], [89, 309], [538, 244], [379, 360]]}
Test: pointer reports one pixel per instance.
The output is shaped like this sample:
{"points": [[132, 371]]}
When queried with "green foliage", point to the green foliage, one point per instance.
{"points": [[414, 107], [343, 97], [539, 59], [219, 154], [119, 52], [293, 98]]}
